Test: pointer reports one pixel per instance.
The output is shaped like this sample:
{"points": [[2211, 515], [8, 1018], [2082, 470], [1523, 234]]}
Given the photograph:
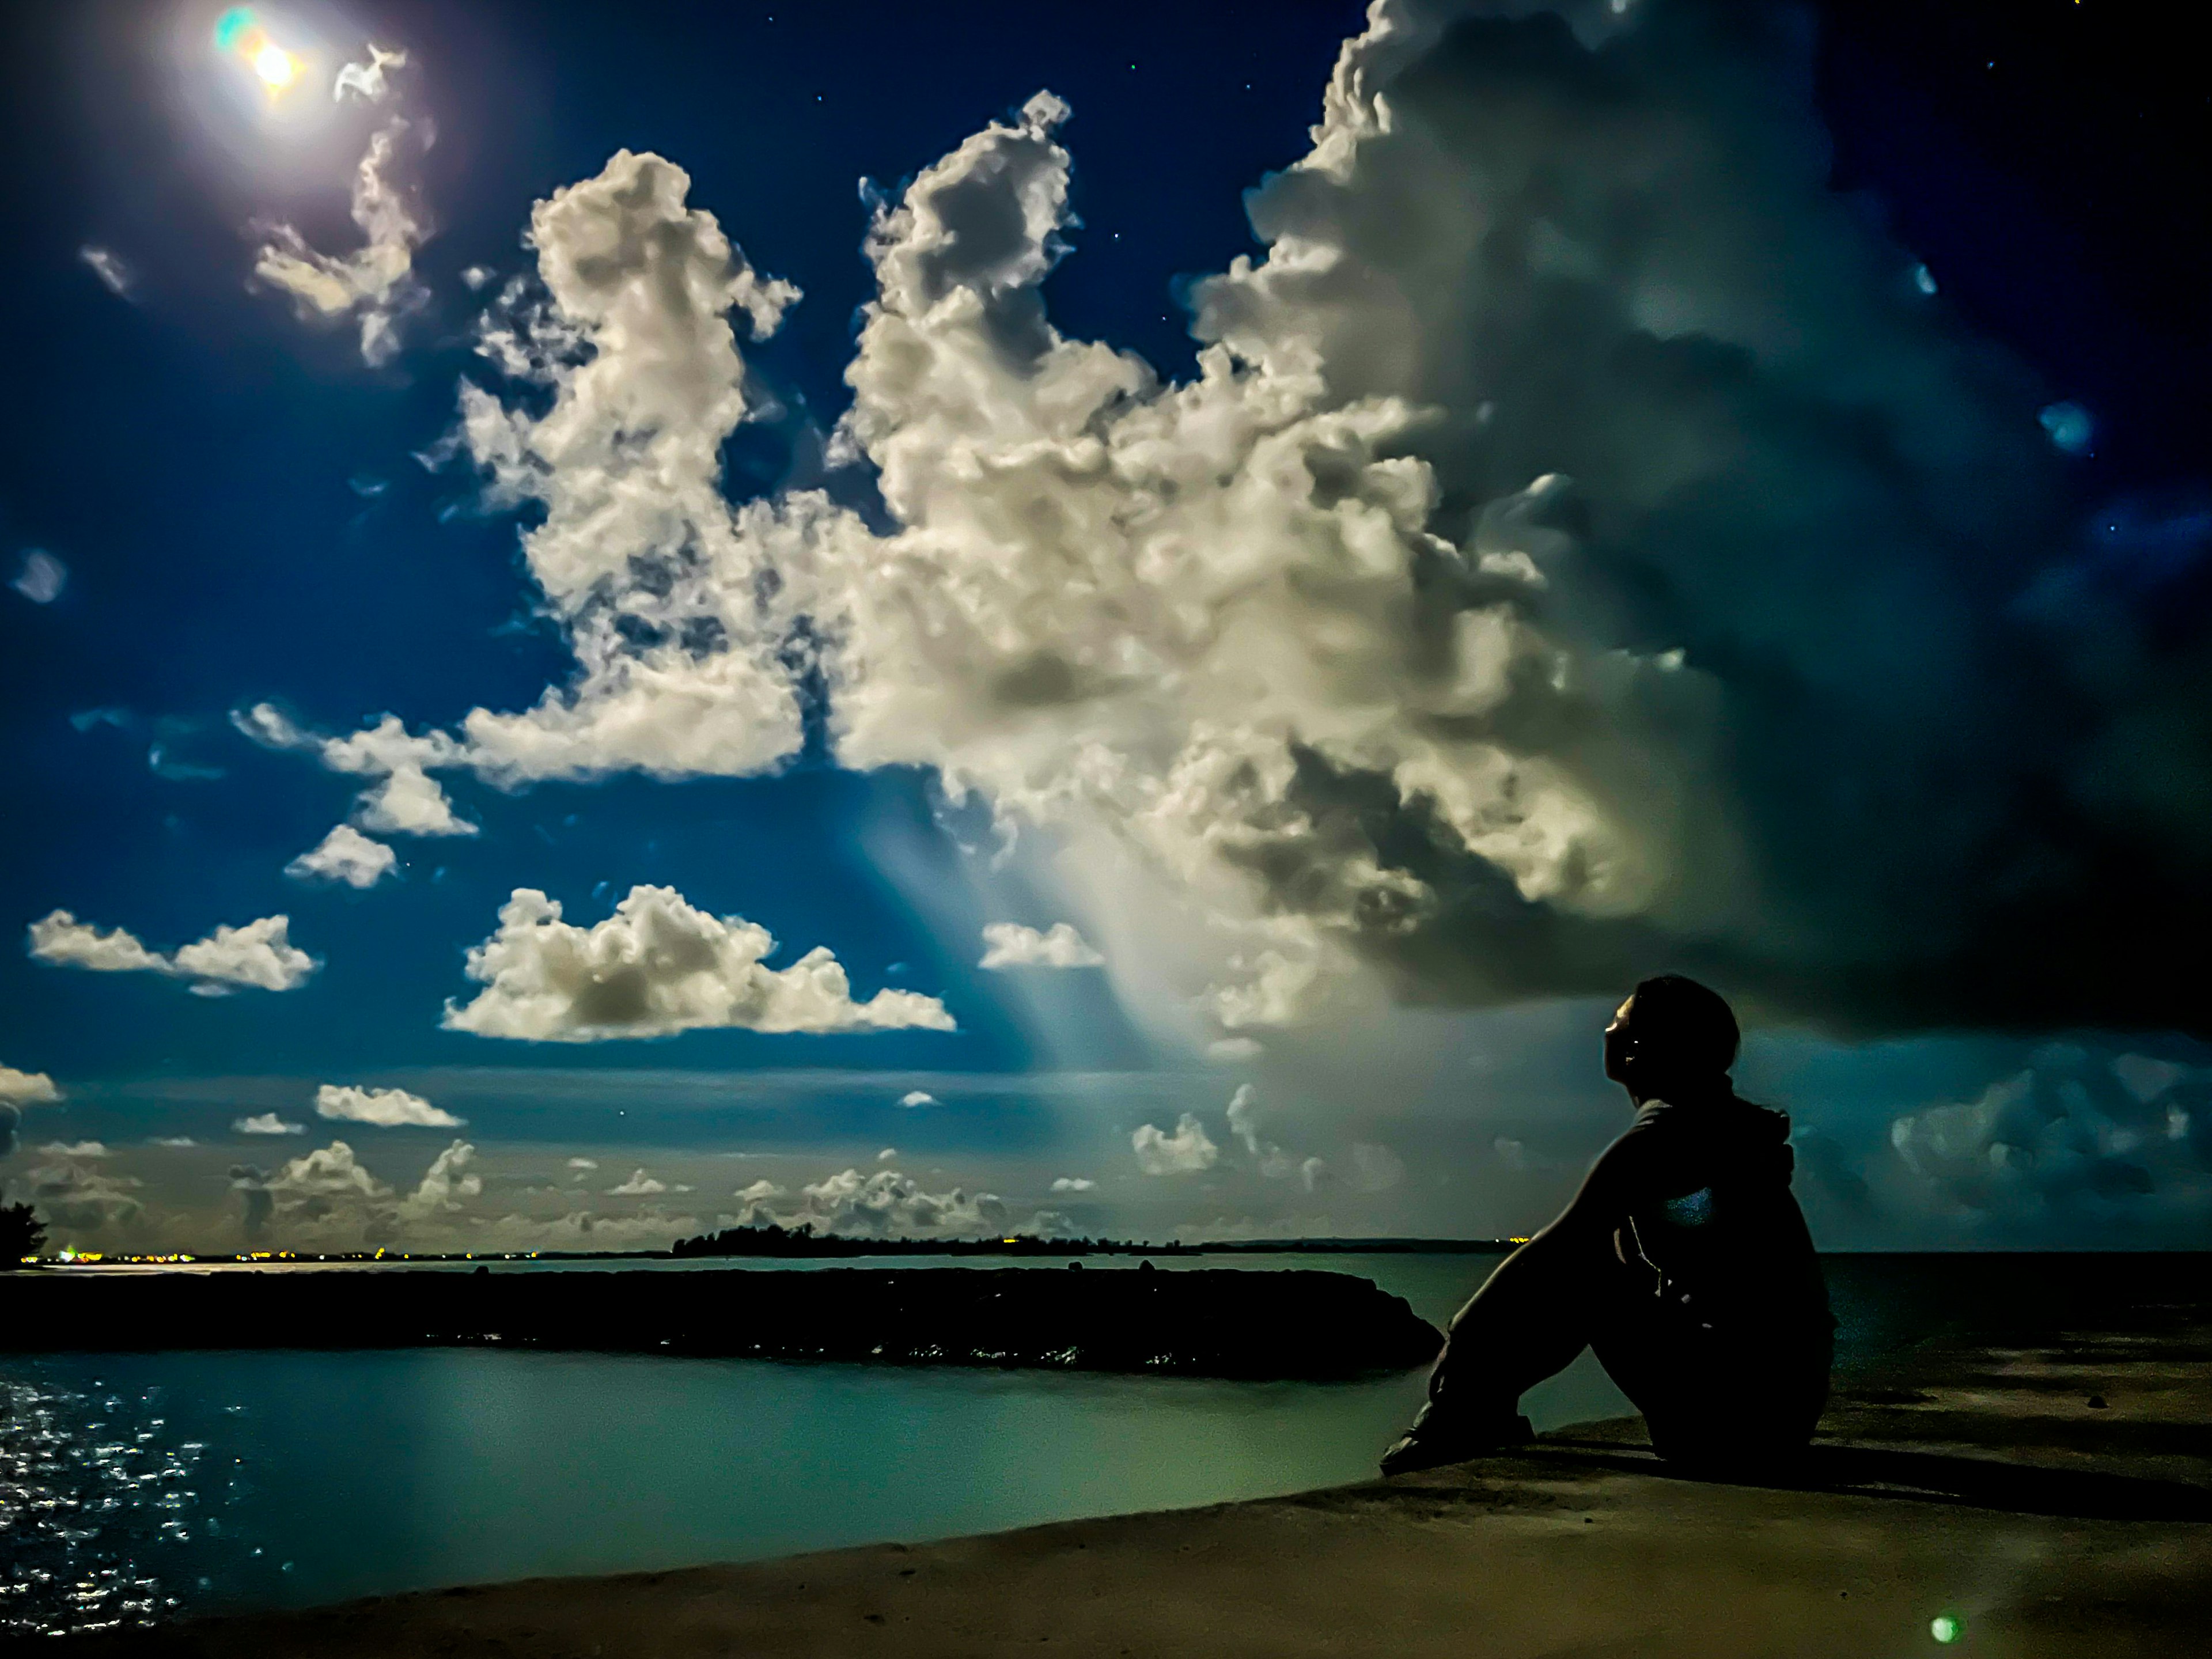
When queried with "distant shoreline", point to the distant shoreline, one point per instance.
{"points": [[801, 1246]]}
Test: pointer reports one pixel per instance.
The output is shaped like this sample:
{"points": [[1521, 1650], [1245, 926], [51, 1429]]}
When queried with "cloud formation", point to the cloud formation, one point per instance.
{"points": [[266, 1123], [404, 799], [26, 1088], [115, 277], [375, 285], [658, 966], [42, 578], [366, 80], [387, 1109], [1583, 549], [260, 954], [1010, 945], [883, 1205], [344, 855], [1185, 1151]]}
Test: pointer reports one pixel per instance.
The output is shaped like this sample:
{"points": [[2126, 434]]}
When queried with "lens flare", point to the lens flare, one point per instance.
{"points": [[238, 34], [277, 67]]}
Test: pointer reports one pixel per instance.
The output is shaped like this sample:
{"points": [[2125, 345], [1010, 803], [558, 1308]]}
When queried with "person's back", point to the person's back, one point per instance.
{"points": [[1683, 1260]]}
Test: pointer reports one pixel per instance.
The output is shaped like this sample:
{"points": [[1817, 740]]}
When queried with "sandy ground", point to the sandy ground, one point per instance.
{"points": [[1979, 1486]]}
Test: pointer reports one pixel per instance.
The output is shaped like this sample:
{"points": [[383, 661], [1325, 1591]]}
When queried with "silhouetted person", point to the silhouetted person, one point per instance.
{"points": [[1683, 1261]]}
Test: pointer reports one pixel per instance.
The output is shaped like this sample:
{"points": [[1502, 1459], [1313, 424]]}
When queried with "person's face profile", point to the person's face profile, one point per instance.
{"points": [[1619, 1041]]}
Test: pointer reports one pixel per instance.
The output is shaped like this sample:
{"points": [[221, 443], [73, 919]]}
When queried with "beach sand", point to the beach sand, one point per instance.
{"points": [[1977, 1485]]}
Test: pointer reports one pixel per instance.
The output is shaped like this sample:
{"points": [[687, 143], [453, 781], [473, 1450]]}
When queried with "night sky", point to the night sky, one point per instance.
{"points": [[1239, 638]]}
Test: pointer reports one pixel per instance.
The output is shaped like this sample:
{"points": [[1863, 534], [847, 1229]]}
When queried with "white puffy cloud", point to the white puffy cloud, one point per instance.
{"points": [[1010, 945], [26, 1088], [327, 1197], [260, 954], [445, 1185], [917, 1098], [639, 1185], [888, 1154], [42, 578], [1244, 1114], [404, 799], [267, 1123], [890, 1205], [1185, 1151], [344, 855], [1073, 1184], [366, 80], [375, 285], [114, 275], [657, 966], [77, 1149], [388, 1109], [582, 1164], [1579, 547], [173, 1143]]}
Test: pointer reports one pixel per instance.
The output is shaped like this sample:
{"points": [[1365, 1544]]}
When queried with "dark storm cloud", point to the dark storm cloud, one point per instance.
{"points": [[1921, 762]]}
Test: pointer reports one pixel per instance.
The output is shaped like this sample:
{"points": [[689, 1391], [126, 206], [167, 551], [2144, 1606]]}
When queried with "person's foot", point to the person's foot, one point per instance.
{"points": [[1424, 1448]]}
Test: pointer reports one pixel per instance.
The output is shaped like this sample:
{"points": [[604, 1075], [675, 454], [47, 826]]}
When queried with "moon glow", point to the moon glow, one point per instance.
{"points": [[238, 34]]}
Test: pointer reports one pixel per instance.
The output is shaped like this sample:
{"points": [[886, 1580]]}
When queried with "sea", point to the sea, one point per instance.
{"points": [[137, 1487]]}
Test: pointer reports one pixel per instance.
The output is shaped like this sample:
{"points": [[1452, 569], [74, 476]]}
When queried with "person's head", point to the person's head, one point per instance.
{"points": [[1672, 1038]]}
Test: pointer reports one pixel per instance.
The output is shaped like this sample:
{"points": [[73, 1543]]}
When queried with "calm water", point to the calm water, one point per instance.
{"points": [[150, 1484]]}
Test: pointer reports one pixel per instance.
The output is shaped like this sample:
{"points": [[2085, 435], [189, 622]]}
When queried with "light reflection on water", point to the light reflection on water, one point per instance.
{"points": [[137, 1486]]}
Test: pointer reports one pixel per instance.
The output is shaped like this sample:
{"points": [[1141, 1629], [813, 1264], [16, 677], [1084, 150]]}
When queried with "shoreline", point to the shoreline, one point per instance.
{"points": [[2052, 1494]]}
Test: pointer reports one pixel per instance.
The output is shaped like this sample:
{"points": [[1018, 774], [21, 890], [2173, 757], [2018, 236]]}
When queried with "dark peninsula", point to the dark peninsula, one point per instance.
{"points": [[1218, 1322]]}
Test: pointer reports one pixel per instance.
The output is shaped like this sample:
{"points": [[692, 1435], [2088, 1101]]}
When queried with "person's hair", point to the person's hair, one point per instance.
{"points": [[1683, 1032]]}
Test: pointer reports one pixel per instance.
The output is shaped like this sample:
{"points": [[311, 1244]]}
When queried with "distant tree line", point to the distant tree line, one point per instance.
{"points": [[770, 1239], [21, 1233]]}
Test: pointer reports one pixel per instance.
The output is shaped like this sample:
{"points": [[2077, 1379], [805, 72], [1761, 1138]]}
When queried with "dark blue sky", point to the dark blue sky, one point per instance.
{"points": [[237, 500]]}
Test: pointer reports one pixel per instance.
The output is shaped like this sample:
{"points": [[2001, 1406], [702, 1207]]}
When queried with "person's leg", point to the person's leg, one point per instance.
{"points": [[1532, 1317], [1724, 1404]]}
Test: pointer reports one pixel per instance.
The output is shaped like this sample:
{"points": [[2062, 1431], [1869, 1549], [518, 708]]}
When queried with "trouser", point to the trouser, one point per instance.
{"points": [[1742, 1393]]}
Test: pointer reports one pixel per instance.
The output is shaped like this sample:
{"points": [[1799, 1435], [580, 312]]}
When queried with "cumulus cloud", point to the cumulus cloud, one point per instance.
{"points": [[344, 855], [366, 80], [388, 1109], [1073, 1184], [117, 277], [1580, 549], [76, 1149], [582, 1164], [26, 1088], [329, 1197], [260, 954], [1010, 945], [75, 1194], [1244, 1114], [1185, 1151], [173, 1143], [375, 285], [2073, 1136], [890, 1205], [445, 1185], [657, 966], [640, 1185], [917, 1098], [403, 799], [267, 1123], [42, 578]]}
